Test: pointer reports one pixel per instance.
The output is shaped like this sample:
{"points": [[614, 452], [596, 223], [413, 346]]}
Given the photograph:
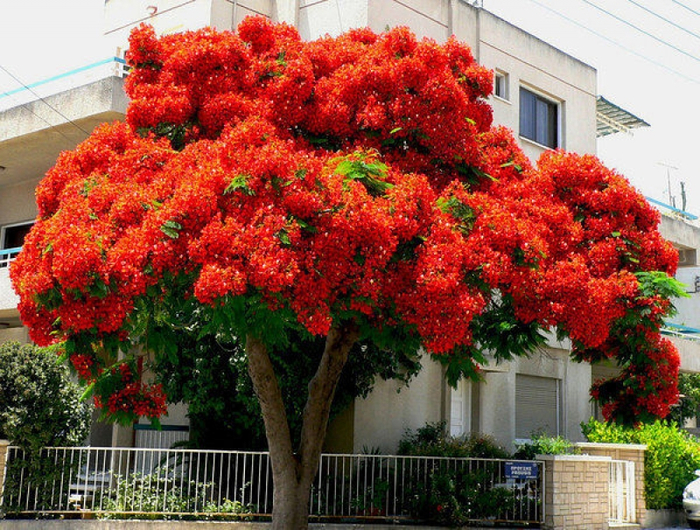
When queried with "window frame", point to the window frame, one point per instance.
{"points": [[504, 83], [552, 127], [3, 232]]}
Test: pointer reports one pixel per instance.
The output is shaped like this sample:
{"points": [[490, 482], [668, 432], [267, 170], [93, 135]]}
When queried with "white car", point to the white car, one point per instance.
{"points": [[691, 502]]}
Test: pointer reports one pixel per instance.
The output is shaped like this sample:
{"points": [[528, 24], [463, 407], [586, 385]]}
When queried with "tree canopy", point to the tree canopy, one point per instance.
{"points": [[350, 188]]}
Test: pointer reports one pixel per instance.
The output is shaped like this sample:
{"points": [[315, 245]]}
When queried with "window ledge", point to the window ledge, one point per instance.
{"points": [[537, 144], [503, 100]]}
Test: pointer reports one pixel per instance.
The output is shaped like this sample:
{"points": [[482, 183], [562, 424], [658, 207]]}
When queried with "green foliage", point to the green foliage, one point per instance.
{"points": [[33, 478], [541, 444], [432, 440], [689, 402], [455, 497], [162, 495], [670, 461], [39, 405], [210, 373]]}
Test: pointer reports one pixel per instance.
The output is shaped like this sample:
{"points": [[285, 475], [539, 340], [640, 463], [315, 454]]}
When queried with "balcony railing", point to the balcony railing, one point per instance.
{"points": [[7, 255], [112, 66]]}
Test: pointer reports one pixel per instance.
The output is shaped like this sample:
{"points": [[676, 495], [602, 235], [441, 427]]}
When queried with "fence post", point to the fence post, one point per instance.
{"points": [[3, 459], [576, 492]]}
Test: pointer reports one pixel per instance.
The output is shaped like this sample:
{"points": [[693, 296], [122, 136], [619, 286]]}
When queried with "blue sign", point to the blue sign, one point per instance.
{"points": [[522, 470]]}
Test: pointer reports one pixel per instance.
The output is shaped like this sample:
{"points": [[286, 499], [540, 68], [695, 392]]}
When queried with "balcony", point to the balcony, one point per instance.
{"points": [[8, 298]]}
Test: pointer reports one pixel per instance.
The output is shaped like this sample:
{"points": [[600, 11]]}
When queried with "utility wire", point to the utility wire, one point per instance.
{"points": [[620, 19], [640, 6], [47, 122], [685, 7], [86, 133], [622, 46]]}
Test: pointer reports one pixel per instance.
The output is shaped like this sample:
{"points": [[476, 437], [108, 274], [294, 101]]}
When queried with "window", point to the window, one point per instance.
{"points": [[539, 119], [500, 85], [537, 406], [13, 235]]}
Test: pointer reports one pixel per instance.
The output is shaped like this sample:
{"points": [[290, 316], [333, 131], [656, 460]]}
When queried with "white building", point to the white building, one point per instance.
{"points": [[548, 97]]}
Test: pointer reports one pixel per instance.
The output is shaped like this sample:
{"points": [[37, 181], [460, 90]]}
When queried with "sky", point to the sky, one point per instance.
{"points": [[647, 54]]}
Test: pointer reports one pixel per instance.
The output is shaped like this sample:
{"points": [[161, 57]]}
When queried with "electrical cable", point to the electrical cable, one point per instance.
{"points": [[671, 22], [86, 133], [47, 122], [661, 41], [686, 7], [611, 41]]}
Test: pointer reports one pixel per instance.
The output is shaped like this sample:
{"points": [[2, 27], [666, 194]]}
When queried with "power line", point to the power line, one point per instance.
{"points": [[685, 7], [620, 19], [47, 122], [606, 38], [45, 102], [640, 6]]}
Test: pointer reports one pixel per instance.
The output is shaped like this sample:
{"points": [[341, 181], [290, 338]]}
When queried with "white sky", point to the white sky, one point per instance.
{"points": [[43, 38]]}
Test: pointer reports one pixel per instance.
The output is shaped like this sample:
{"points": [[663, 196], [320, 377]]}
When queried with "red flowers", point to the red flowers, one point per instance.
{"points": [[288, 183]]}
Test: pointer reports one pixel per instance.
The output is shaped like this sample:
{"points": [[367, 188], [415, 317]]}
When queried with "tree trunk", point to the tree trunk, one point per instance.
{"points": [[293, 472]]}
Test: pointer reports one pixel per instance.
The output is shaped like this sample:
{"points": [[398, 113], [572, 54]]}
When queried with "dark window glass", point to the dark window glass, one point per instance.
{"points": [[538, 119], [14, 235]]}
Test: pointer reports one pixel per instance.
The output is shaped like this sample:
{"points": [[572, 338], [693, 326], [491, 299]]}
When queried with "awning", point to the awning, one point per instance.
{"points": [[611, 119]]}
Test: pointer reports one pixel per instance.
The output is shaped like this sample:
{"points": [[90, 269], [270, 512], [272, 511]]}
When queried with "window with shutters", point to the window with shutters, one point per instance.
{"points": [[537, 406]]}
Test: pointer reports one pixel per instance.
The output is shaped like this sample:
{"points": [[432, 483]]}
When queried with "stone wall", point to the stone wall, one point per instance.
{"points": [[576, 492], [632, 452], [3, 458]]}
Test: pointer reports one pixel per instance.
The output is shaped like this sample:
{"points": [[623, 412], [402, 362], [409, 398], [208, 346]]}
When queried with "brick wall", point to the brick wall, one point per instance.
{"points": [[576, 492]]}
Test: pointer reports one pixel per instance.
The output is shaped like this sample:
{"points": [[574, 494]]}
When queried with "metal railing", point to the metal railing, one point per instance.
{"points": [[7, 255], [622, 492], [180, 482]]}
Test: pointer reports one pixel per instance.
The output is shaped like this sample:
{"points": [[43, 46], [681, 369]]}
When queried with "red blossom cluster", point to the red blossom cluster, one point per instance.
{"points": [[121, 393], [350, 177]]}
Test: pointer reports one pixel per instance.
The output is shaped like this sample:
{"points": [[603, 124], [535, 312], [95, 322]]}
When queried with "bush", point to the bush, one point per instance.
{"points": [[453, 496], [433, 440], [670, 461], [541, 444], [39, 405], [163, 495]]}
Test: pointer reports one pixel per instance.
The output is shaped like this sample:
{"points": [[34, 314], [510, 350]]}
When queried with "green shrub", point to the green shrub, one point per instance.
{"points": [[454, 497], [39, 405], [541, 444], [447, 495], [162, 495], [670, 461], [433, 440]]}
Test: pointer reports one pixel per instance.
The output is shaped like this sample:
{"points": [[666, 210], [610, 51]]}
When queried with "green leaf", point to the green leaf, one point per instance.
{"points": [[240, 182], [171, 229]]}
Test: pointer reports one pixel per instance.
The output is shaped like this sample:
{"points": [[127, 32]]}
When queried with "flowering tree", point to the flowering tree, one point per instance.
{"points": [[351, 188]]}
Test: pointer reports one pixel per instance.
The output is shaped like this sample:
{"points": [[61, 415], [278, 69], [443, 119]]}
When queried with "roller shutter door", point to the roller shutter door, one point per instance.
{"points": [[537, 405]]}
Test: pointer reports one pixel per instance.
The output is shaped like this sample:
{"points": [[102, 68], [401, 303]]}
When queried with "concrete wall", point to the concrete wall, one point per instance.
{"points": [[381, 419]]}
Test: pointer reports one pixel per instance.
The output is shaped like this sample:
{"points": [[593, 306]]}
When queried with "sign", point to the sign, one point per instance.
{"points": [[522, 470]]}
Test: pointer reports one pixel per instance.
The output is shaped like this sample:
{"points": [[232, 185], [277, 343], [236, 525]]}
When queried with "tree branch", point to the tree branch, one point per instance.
{"points": [[267, 389], [321, 391]]}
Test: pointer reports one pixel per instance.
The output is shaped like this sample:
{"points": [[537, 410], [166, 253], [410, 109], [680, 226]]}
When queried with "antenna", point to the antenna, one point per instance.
{"points": [[683, 196], [671, 197]]}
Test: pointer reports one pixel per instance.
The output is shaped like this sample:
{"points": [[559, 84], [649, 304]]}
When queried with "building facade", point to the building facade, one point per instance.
{"points": [[546, 96]]}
